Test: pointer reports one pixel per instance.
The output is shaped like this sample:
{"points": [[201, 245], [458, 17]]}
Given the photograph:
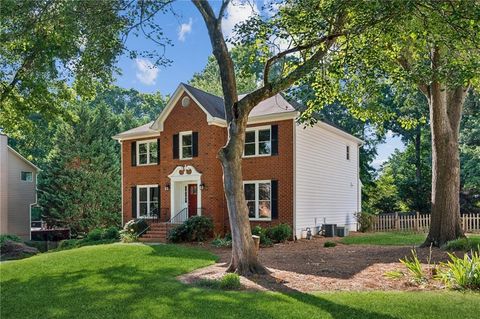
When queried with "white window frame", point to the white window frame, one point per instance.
{"points": [[28, 180], [180, 144], [148, 187], [257, 199], [257, 129], [148, 152]]}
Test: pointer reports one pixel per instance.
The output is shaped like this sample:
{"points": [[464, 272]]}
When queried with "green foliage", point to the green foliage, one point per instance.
{"points": [[415, 268], [470, 145], [68, 244], [5, 237], [461, 273], [95, 234], [279, 233], [464, 244], [111, 233], [364, 221], [230, 282], [394, 274], [221, 242], [196, 228], [132, 229], [265, 241], [329, 244]]}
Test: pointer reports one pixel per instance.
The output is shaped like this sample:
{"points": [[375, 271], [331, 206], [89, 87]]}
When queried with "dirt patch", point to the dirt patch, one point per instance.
{"points": [[306, 265]]}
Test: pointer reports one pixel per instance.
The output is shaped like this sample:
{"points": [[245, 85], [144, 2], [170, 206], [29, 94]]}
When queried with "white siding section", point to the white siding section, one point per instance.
{"points": [[327, 184]]}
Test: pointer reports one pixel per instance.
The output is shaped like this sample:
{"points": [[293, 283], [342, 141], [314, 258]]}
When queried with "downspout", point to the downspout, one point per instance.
{"points": [[294, 150], [121, 176]]}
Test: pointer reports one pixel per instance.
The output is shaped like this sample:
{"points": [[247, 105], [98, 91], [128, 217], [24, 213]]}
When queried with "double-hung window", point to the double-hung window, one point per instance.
{"points": [[258, 141], [258, 195], [147, 152], [186, 145], [147, 200]]}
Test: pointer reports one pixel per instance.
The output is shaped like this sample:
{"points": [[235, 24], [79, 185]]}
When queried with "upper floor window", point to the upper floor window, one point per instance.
{"points": [[348, 152], [258, 195], [26, 176], [258, 141], [147, 152], [186, 145]]}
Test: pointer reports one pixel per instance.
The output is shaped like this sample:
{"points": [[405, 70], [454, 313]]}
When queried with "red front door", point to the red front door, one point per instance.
{"points": [[192, 200]]}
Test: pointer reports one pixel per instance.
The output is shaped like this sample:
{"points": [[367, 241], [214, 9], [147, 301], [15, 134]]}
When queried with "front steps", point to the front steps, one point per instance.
{"points": [[157, 233]]}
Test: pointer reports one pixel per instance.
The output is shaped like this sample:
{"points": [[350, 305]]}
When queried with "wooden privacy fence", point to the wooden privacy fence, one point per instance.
{"points": [[419, 222]]}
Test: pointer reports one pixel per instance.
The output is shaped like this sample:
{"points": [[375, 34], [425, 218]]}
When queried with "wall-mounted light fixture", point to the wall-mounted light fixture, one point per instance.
{"points": [[167, 187], [202, 186]]}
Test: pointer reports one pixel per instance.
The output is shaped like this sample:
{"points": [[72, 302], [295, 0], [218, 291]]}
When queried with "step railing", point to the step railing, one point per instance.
{"points": [[183, 215]]}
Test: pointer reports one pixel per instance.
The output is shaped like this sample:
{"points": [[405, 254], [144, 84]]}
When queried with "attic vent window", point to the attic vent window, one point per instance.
{"points": [[185, 101]]}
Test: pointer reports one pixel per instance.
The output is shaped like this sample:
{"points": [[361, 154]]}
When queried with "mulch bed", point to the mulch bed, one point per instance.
{"points": [[307, 266]]}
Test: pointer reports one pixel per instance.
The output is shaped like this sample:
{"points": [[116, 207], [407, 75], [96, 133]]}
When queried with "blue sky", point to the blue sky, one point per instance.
{"points": [[189, 53]]}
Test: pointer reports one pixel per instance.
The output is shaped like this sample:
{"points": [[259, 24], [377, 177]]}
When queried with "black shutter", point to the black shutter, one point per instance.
{"points": [[134, 153], [274, 138], [175, 146], [274, 199], [194, 144], [158, 151], [134, 202], [159, 201]]}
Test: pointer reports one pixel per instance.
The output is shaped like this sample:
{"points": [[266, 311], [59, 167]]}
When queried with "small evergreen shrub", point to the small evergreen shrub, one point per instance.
{"points": [[5, 237], [461, 273], [95, 234], [230, 282], [328, 244], [111, 233], [365, 221], [464, 244], [279, 233], [68, 244], [265, 241], [197, 228]]}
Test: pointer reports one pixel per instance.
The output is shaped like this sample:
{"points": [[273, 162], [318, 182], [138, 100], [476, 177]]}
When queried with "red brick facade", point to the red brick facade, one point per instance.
{"points": [[210, 139]]}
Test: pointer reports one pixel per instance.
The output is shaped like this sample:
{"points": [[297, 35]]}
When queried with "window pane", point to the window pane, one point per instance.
{"points": [[153, 194], [143, 194], [153, 152], [250, 137], [251, 209], [153, 209], [264, 148], [264, 191], [143, 209], [249, 190], [187, 140], [264, 135], [264, 209], [26, 176], [142, 148], [186, 151], [142, 159], [249, 149]]}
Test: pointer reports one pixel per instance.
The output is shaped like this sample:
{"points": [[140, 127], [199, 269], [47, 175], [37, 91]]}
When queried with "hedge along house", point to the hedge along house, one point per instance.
{"points": [[301, 176]]}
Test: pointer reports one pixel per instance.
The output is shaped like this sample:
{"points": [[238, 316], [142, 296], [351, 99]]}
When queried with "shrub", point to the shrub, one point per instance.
{"points": [[230, 282], [111, 233], [365, 221], [279, 233], [461, 273], [328, 244], [221, 242], [265, 241], [208, 283], [5, 237], [414, 267], [197, 228], [95, 234], [464, 244], [68, 244], [132, 229]]}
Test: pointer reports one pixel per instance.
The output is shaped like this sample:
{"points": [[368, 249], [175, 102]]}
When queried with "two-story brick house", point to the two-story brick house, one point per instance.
{"points": [[292, 174]]}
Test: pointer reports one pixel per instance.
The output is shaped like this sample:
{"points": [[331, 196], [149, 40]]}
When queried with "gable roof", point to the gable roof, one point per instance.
{"points": [[143, 130], [212, 103]]}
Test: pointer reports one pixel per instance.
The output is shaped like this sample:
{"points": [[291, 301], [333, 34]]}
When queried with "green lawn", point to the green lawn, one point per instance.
{"points": [[391, 238], [138, 281]]}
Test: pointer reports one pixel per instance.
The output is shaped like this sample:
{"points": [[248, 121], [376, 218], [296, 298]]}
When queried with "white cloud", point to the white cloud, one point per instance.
{"points": [[184, 29], [237, 12], [147, 73]]}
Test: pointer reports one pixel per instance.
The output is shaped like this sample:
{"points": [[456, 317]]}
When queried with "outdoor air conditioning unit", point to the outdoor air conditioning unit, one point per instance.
{"points": [[342, 231], [329, 230]]}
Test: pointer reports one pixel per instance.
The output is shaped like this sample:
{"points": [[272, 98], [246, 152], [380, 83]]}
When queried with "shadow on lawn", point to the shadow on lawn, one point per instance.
{"points": [[151, 291]]}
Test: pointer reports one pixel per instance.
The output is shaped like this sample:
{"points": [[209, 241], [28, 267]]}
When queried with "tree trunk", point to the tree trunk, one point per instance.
{"points": [[418, 166], [445, 114]]}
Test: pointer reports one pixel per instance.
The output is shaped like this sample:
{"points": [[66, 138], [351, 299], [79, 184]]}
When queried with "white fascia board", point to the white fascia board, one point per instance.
{"points": [[340, 132]]}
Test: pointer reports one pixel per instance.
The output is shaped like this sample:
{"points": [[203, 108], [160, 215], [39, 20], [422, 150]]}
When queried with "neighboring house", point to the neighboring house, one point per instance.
{"points": [[18, 178], [295, 175]]}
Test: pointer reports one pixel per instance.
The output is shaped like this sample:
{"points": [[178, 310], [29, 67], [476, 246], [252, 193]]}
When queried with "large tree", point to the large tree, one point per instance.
{"points": [[434, 49]]}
